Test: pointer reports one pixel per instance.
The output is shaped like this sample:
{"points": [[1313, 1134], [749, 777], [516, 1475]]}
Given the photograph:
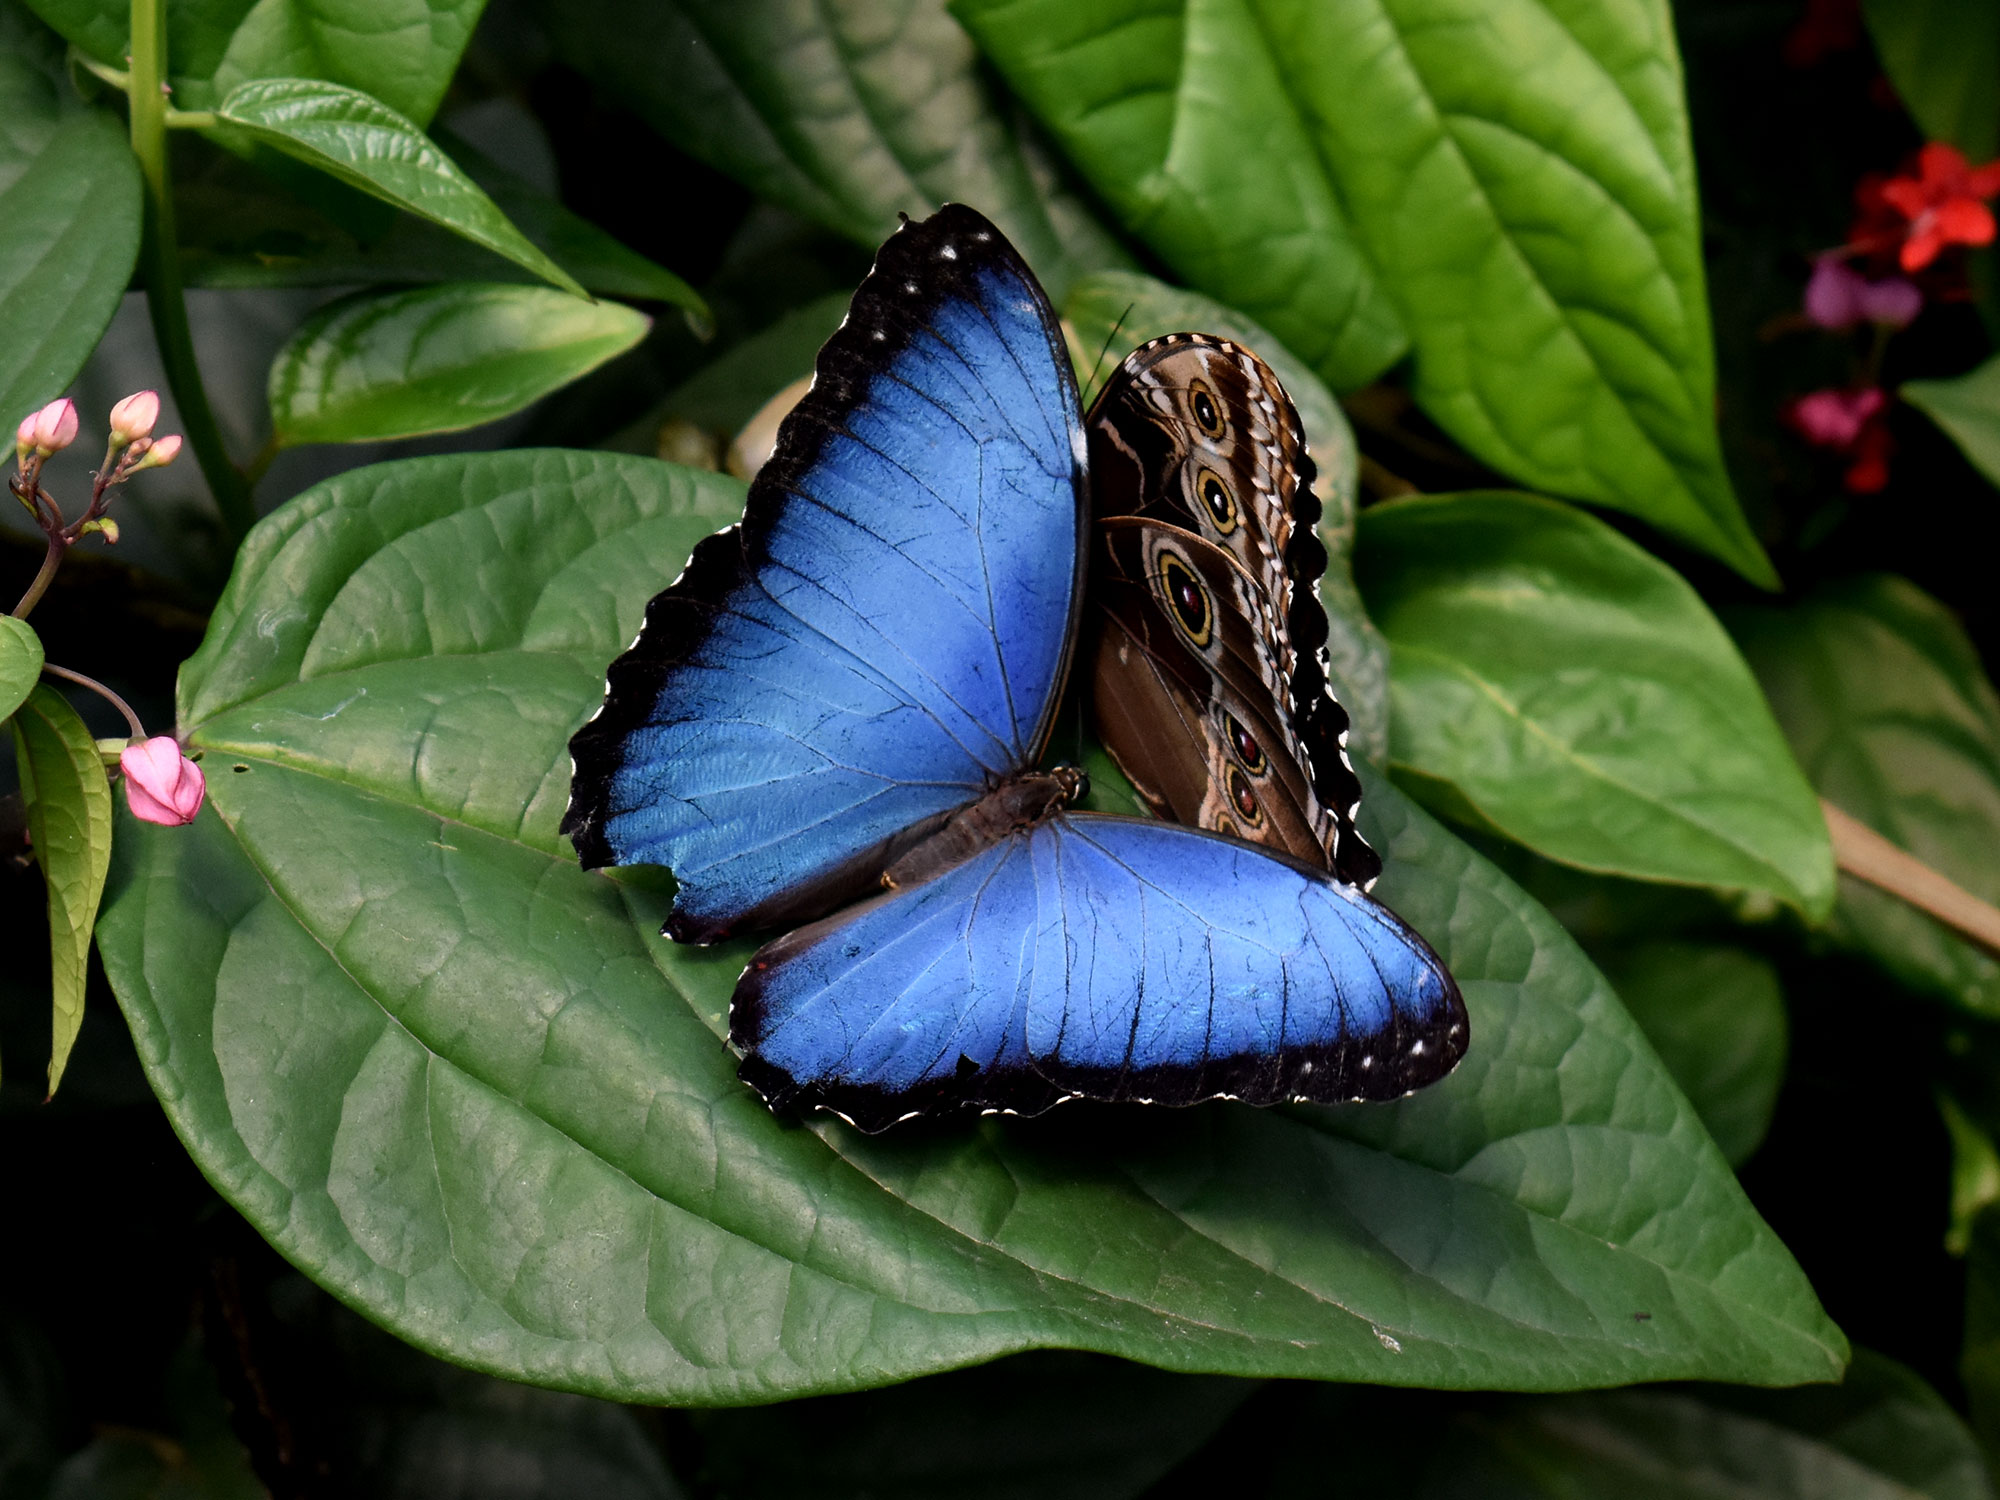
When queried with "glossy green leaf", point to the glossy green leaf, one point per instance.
{"points": [[1342, 170], [1967, 408], [520, 1141], [20, 663], [1183, 119], [1944, 58], [1111, 312], [844, 114], [239, 229], [1056, 1426], [367, 145], [1889, 712], [69, 235], [69, 821], [1716, 1016], [1575, 694], [437, 359], [401, 51]]}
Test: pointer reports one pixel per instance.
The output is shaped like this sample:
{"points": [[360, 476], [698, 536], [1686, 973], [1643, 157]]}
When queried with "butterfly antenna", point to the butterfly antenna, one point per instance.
{"points": [[1109, 339]]}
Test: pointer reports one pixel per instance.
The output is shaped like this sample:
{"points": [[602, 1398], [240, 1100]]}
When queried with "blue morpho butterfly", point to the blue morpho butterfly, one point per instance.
{"points": [[847, 695]]}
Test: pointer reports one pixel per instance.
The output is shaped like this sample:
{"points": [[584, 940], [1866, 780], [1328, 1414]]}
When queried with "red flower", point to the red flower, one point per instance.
{"points": [[1869, 473], [1939, 206], [1849, 422]]}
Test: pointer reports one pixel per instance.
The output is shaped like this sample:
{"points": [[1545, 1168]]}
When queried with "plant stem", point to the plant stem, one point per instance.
{"points": [[165, 299], [51, 560], [1866, 855], [138, 729]]}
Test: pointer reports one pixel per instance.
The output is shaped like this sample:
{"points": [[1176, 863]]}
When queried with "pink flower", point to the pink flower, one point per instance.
{"points": [[47, 431], [157, 455], [1838, 296], [1834, 419], [133, 418], [161, 785]]}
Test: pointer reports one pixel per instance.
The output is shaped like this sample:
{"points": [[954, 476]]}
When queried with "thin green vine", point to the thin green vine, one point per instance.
{"points": [[165, 299]]}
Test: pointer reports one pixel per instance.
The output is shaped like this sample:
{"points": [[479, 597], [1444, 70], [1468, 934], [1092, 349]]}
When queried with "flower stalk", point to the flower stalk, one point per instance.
{"points": [[131, 449]]}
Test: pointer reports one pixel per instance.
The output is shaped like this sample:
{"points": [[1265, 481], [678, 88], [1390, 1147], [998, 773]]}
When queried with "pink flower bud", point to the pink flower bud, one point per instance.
{"points": [[159, 453], [49, 430], [161, 785], [133, 418], [24, 438]]}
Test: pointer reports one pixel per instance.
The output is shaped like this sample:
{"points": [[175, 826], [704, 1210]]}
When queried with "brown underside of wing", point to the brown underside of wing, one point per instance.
{"points": [[1196, 434], [1188, 726]]}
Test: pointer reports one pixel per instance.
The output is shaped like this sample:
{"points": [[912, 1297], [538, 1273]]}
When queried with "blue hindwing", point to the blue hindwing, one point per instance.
{"points": [[1174, 965], [884, 636], [913, 1002], [1113, 958]]}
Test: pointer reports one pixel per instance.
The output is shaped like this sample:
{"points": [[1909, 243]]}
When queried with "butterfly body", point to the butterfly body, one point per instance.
{"points": [[835, 718]]}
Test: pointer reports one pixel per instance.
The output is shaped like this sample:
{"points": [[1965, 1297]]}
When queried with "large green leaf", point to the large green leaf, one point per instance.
{"points": [[1318, 163], [367, 145], [1887, 708], [1111, 312], [1944, 58], [467, 1087], [436, 359], [1574, 693], [69, 820], [401, 51], [1716, 1015], [1968, 407], [20, 663], [1181, 117], [845, 114], [69, 234]]}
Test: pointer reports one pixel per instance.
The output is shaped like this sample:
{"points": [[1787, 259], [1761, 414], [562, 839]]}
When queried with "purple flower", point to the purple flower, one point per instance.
{"points": [[1838, 296]]}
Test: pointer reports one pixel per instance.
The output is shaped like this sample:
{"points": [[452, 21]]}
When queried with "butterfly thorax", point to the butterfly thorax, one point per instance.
{"points": [[1019, 802]]}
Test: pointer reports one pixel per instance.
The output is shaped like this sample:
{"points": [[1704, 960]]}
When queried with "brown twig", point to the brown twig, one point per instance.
{"points": [[1866, 855]]}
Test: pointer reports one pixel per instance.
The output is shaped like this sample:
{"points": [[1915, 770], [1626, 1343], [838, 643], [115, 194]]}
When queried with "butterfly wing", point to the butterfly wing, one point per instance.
{"points": [[1174, 966], [884, 635], [1114, 958], [1196, 433], [914, 1002], [1179, 691]]}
